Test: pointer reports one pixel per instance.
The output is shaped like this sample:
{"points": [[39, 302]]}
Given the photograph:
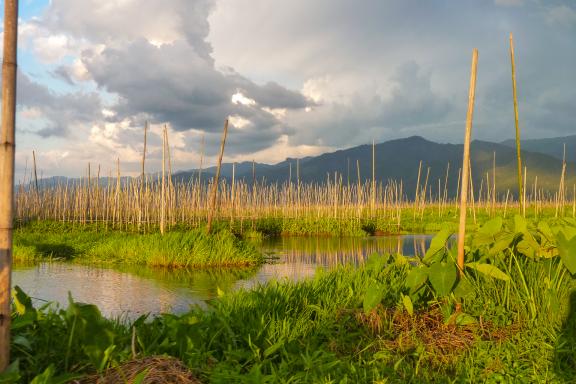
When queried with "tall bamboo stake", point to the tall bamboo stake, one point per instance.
{"points": [[466, 163], [514, 94], [215, 185], [142, 179], [373, 192], [7, 145], [163, 193]]}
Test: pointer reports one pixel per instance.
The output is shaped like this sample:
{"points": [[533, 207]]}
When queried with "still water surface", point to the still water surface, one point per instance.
{"points": [[133, 291]]}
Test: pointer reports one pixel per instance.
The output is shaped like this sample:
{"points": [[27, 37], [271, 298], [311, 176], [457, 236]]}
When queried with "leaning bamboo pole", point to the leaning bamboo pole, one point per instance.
{"points": [[515, 96], [466, 163], [215, 184], [7, 146]]}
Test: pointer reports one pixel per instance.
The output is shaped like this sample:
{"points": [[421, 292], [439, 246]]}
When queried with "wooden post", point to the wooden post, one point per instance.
{"points": [[215, 185], [7, 146], [515, 96], [466, 163]]}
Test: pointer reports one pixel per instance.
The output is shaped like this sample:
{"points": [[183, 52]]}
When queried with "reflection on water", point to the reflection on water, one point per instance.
{"points": [[133, 291], [128, 291]]}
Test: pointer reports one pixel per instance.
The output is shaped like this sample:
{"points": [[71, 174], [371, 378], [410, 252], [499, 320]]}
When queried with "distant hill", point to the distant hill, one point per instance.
{"points": [[400, 159], [552, 146]]}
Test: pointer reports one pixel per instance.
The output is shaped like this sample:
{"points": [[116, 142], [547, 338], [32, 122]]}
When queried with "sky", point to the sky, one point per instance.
{"points": [[295, 78]]}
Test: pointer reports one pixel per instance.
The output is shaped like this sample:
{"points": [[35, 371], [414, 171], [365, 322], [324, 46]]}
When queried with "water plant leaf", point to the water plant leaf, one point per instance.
{"points": [[22, 302], [22, 342], [465, 319], [464, 289], [376, 261], [567, 250], [503, 242], [545, 231], [442, 276], [487, 233], [416, 278], [528, 246], [520, 224], [407, 302], [489, 270], [12, 373], [373, 296], [437, 246]]}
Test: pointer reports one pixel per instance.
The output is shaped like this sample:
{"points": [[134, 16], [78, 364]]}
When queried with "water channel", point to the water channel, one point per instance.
{"points": [[131, 291]]}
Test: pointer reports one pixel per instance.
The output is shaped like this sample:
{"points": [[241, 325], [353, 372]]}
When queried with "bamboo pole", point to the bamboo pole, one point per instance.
{"points": [[163, 193], [515, 96], [373, 191], [7, 146], [215, 185], [466, 163]]}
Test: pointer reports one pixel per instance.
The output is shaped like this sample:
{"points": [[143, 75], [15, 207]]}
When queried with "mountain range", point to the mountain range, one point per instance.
{"points": [[400, 160]]}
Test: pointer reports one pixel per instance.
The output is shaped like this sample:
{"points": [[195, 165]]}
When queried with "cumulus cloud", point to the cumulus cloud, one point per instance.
{"points": [[61, 113], [156, 59], [294, 77]]}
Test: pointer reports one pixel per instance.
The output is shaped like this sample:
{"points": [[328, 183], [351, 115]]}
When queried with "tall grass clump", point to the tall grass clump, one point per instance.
{"points": [[179, 248], [192, 248]]}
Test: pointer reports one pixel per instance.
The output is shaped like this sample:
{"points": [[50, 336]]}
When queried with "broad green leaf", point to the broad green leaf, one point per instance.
{"points": [[376, 261], [503, 242], [567, 250], [416, 278], [520, 224], [437, 245], [22, 302], [545, 231], [489, 270], [527, 247], [11, 374], [400, 259], [373, 296], [45, 377], [465, 319], [487, 233], [464, 289], [442, 276], [407, 302], [569, 232]]}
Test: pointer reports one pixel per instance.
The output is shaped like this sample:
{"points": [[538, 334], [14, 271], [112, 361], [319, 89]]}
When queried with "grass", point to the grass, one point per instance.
{"points": [[320, 330], [391, 320], [191, 248]]}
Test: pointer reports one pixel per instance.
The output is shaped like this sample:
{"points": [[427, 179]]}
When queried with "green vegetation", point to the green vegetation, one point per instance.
{"points": [[178, 248], [394, 319]]}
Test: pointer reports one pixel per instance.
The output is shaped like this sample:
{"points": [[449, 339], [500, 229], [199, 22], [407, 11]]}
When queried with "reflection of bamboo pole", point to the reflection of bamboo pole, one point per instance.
{"points": [[7, 144], [520, 194], [215, 185], [466, 164]]}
